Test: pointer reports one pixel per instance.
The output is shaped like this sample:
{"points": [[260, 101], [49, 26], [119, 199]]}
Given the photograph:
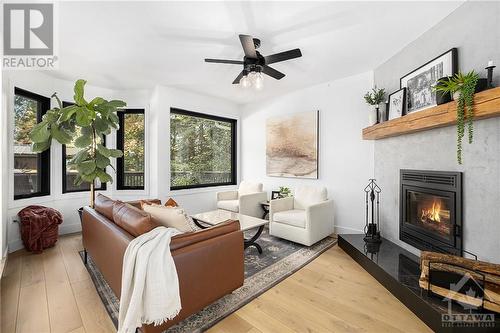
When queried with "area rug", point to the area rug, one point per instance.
{"points": [[280, 259]]}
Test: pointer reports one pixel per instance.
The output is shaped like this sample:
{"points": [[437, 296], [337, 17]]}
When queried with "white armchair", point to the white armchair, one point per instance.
{"points": [[306, 218], [246, 200]]}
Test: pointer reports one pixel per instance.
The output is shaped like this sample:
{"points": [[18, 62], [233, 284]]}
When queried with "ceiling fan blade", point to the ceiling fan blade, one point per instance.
{"points": [[272, 72], [223, 61], [282, 56], [248, 46], [238, 78]]}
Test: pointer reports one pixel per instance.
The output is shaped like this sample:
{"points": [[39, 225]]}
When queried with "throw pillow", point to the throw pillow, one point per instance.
{"points": [[135, 221], [171, 217]]}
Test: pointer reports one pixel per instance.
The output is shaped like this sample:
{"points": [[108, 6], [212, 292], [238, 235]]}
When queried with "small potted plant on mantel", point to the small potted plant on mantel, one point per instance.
{"points": [[375, 97], [462, 88], [87, 122]]}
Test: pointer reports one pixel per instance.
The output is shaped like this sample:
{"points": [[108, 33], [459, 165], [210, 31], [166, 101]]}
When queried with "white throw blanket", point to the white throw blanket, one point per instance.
{"points": [[150, 286]]}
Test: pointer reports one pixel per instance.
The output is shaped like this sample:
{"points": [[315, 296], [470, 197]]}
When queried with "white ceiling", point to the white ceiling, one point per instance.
{"points": [[137, 45]]}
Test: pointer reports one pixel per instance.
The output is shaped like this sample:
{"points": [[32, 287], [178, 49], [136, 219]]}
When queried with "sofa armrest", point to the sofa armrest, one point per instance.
{"points": [[279, 205], [190, 238], [227, 195], [207, 270], [320, 216], [249, 204]]}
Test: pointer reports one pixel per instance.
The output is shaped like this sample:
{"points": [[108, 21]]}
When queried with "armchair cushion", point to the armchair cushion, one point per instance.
{"points": [[232, 205], [248, 187], [294, 217], [309, 195]]}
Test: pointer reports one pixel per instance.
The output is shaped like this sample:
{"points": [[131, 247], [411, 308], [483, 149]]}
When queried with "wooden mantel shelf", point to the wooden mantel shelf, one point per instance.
{"points": [[486, 105]]}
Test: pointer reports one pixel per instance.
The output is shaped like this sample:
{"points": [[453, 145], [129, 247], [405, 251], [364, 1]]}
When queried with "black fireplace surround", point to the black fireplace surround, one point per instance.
{"points": [[431, 210]]}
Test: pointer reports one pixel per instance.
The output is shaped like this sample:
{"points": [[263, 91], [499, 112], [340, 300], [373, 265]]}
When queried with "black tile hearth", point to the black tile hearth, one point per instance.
{"points": [[398, 270]]}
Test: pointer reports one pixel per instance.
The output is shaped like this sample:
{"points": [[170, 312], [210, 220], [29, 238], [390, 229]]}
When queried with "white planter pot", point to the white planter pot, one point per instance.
{"points": [[372, 117], [456, 95]]}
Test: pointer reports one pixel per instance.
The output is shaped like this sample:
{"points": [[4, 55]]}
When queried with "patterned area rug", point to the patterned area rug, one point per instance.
{"points": [[280, 259]]}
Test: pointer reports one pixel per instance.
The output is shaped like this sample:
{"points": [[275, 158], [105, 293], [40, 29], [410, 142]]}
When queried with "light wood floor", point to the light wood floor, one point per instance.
{"points": [[52, 292]]}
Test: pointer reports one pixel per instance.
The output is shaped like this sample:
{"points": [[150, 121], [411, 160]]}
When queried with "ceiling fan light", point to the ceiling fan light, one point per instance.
{"points": [[245, 82], [259, 81]]}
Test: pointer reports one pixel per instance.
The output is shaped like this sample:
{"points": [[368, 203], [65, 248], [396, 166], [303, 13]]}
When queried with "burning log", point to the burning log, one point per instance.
{"points": [[462, 266]]}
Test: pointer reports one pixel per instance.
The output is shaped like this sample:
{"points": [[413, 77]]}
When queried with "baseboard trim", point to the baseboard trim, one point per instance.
{"points": [[346, 230], [17, 244]]}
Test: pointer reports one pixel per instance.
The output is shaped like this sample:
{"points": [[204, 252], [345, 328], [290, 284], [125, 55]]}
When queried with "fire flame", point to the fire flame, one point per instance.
{"points": [[433, 213]]}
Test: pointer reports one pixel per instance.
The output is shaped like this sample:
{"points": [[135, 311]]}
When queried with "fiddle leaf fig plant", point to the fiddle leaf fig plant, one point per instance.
{"points": [[86, 123], [463, 85]]}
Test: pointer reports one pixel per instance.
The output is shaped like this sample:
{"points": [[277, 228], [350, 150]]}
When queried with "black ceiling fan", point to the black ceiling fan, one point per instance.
{"points": [[253, 61]]}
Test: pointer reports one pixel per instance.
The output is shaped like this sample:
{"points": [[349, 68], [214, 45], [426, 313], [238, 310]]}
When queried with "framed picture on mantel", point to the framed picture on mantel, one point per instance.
{"points": [[419, 83], [397, 104]]}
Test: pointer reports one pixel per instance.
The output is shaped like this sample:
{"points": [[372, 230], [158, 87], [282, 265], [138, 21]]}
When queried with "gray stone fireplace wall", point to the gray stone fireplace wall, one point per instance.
{"points": [[473, 29]]}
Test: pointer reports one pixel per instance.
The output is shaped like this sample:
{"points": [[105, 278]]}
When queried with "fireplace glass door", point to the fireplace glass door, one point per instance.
{"points": [[430, 213]]}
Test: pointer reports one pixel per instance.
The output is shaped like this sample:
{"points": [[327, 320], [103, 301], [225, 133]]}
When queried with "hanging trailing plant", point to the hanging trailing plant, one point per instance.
{"points": [[462, 87]]}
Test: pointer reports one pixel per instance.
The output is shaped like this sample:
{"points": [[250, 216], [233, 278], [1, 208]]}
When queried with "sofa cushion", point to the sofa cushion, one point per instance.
{"points": [[231, 205], [104, 205], [133, 220], [171, 203], [306, 196], [139, 203], [170, 217], [294, 217], [248, 187]]}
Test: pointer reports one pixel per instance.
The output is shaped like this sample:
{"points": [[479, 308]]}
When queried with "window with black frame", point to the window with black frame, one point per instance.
{"points": [[130, 140], [202, 150], [69, 174], [31, 170]]}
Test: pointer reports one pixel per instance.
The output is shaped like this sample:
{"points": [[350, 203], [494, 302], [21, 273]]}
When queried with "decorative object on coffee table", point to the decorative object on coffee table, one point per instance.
{"points": [[374, 98], [372, 229], [471, 282], [420, 82], [397, 104]]}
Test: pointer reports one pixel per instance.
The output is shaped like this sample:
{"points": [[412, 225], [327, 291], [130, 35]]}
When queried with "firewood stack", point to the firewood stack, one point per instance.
{"points": [[454, 264]]}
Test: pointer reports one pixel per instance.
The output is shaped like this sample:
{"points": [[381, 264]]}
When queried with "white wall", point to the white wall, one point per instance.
{"points": [[345, 161], [163, 98]]}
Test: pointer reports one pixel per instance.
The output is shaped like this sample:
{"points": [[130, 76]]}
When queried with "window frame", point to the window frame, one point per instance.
{"points": [[120, 141], [43, 163], [103, 186], [234, 150]]}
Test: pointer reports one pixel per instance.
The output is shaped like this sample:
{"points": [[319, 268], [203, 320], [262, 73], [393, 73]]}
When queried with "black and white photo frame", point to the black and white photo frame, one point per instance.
{"points": [[275, 195], [396, 104], [420, 94]]}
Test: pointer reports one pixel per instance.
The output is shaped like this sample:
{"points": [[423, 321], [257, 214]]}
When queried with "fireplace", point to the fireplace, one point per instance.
{"points": [[431, 210]]}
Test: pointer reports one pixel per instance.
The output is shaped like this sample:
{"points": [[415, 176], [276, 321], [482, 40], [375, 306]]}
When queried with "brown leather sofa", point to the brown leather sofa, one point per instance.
{"points": [[209, 262]]}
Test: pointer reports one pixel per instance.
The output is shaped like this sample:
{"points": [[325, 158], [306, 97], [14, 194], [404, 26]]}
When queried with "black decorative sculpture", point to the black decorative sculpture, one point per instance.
{"points": [[372, 226]]}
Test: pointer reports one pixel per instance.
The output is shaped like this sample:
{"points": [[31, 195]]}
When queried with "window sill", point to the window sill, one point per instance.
{"points": [[190, 191]]}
